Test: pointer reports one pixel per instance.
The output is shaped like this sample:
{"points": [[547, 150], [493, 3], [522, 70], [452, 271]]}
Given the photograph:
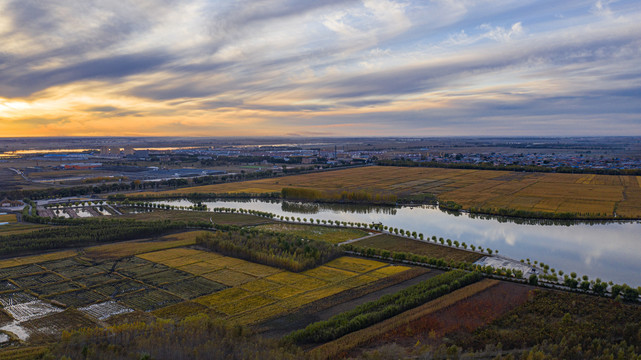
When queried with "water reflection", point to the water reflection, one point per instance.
{"points": [[315, 208], [609, 250]]}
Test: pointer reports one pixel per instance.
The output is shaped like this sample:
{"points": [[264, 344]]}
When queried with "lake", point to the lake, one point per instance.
{"points": [[608, 250]]}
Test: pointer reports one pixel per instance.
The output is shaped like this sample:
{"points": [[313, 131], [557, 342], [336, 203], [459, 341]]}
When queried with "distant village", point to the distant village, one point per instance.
{"points": [[93, 159]]}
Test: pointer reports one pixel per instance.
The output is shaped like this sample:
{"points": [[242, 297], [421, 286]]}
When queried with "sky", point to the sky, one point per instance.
{"points": [[320, 68]]}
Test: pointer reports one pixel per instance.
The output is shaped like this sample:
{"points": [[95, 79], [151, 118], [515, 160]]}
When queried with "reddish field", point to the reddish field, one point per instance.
{"points": [[464, 316]]}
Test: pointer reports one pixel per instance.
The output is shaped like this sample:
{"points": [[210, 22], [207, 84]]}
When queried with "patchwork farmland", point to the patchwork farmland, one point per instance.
{"points": [[57, 303], [166, 279]]}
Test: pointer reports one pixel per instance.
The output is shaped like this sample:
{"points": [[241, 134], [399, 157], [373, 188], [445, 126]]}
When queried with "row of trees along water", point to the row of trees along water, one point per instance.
{"points": [[199, 206], [270, 248], [548, 278], [520, 168]]}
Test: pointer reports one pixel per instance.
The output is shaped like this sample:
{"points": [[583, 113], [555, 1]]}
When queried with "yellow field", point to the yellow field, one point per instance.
{"points": [[180, 261], [166, 255], [37, 258], [223, 297], [283, 292], [388, 271], [329, 274], [199, 268], [130, 248], [587, 194], [258, 292], [358, 281], [260, 285], [247, 303], [10, 218], [355, 264], [228, 277]]}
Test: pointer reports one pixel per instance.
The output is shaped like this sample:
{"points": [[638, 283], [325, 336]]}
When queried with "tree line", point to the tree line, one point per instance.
{"points": [[521, 168], [270, 248], [83, 233], [196, 337], [385, 307]]}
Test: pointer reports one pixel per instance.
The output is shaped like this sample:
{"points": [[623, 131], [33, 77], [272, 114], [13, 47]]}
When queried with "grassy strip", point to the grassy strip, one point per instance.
{"points": [[359, 338], [404, 245], [387, 306], [274, 249]]}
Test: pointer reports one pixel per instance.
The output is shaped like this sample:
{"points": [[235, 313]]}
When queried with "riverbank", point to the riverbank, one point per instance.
{"points": [[539, 195]]}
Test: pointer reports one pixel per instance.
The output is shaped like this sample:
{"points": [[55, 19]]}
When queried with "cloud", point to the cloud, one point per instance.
{"points": [[264, 65], [501, 34], [102, 109], [602, 7], [116, 67]]}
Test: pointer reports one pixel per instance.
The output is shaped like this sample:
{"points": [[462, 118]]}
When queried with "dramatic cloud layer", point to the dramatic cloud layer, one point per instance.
{"points": [[332, 67]]}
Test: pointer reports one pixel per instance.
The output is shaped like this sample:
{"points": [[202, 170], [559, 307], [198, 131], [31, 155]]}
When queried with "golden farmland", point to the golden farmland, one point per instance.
{"points": [[596, 195], [257, 292]]}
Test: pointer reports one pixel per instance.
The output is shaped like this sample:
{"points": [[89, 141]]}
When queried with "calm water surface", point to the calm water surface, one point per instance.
{"points": [[610, 251]]}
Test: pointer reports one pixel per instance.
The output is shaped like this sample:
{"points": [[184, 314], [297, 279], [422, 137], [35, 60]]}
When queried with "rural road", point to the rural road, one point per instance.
{"points": [[360, 238]]}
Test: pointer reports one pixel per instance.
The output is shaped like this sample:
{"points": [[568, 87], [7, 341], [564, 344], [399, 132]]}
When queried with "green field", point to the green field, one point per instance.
{"points": [[329, 234], [401, 244]]}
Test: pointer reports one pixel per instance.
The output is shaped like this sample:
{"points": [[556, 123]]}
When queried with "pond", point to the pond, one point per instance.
{"points": [[608, 250]]}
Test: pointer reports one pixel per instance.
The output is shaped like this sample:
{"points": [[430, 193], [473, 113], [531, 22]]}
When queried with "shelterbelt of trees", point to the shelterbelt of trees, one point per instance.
{"points": [[271, 248], [488, 166], [83, 233]]}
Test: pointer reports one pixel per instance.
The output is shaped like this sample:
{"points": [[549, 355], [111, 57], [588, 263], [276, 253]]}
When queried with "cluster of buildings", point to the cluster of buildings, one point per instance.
{"points": [[552, 160], [333, 155], [117, 151]]}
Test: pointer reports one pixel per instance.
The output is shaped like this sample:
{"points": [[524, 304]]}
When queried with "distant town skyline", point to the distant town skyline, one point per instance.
{"points": [[326, 68]]}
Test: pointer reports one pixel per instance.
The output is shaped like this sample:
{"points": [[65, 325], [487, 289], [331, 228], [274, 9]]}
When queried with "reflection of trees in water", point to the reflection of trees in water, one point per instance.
{"points": [[546, 222], [314, 208], [301, 208], [235, 200]]}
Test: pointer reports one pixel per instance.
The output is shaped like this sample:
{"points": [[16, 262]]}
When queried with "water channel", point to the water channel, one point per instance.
{"points": [[607, 250]]}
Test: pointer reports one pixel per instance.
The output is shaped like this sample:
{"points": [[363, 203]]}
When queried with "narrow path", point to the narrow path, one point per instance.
{"points": [[360, 238], [114, 209]]}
